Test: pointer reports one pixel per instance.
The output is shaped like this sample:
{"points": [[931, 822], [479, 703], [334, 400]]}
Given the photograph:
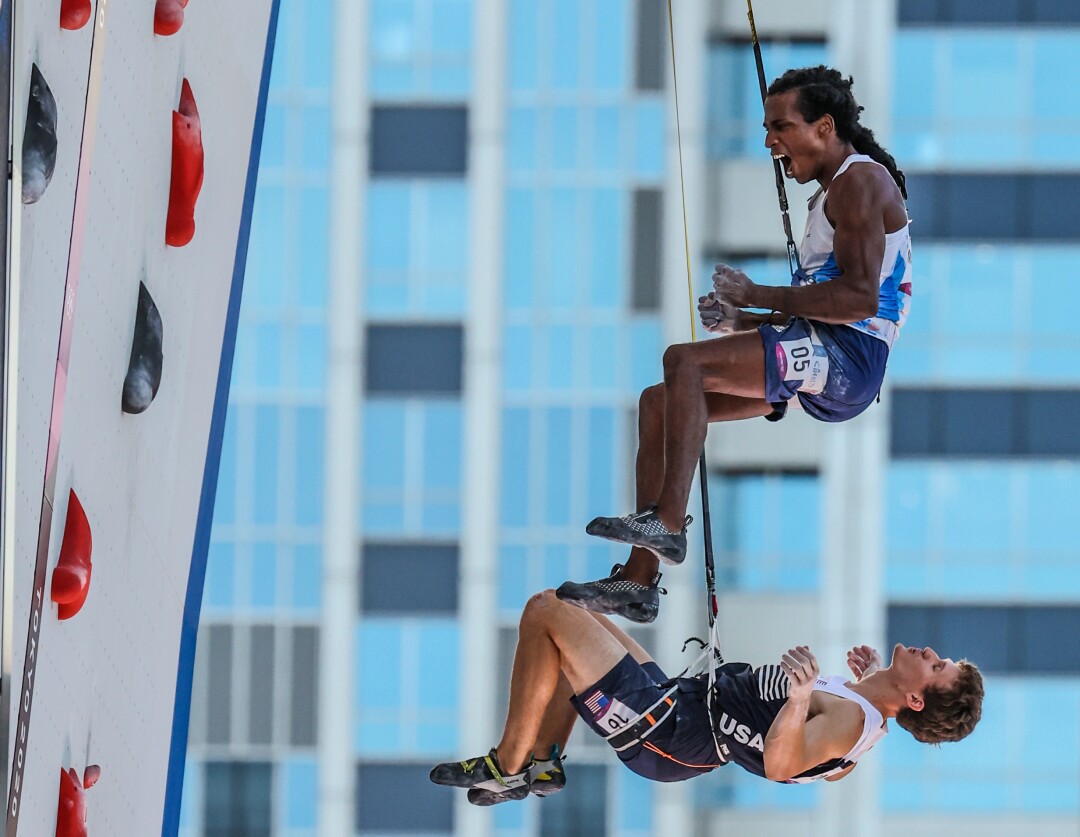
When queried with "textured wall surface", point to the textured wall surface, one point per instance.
{"points": [[105, 681]]}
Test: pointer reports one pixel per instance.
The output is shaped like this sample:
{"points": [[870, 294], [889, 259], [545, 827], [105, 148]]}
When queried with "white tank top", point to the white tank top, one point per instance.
{"points": [[873, 730], [894, 279]]}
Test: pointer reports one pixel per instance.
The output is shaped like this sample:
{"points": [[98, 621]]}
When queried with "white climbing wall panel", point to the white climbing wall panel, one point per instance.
{"points": [[105, 682]]}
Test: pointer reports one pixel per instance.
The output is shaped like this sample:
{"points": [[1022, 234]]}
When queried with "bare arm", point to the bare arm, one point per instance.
{"points": [[795, 743], [857, 204]]}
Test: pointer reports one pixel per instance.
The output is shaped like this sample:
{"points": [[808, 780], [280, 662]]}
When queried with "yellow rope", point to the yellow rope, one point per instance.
{"points": [[682, 179]]}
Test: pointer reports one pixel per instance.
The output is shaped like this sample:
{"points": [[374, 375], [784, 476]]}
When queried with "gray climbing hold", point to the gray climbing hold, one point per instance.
{"points": [[39, 139], [144, 368]]}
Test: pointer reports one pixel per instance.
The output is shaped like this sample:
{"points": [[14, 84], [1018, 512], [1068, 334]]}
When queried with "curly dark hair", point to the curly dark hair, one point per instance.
{"points": [[823, 90], [948, 714]]}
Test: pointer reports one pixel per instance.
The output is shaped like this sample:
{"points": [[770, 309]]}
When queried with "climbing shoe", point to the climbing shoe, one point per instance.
{"points": [[644, 529], [615, 595], [545, 778], [482, 773]]}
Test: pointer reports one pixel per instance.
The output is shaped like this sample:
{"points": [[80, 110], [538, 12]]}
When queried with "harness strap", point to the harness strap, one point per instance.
{"points": [[642, 726]]}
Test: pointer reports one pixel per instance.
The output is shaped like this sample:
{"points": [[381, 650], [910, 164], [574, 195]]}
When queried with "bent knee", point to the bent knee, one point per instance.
{"points": [[652, 398], [538, 603], [678, 358]]}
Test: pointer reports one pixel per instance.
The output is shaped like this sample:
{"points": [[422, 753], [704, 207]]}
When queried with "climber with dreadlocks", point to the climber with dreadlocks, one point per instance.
{"points": [[824, 344]]}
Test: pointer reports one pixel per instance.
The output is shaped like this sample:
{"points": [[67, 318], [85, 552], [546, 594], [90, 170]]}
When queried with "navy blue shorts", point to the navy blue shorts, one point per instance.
{"points": [[835, 370], [680, 747]]}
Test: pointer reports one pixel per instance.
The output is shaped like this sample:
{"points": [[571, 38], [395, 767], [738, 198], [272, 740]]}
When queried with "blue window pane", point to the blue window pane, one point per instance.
{"points": [[266, 255], [379, 667], [565, 62], [520, 252], [306, 577], [515, 467], [452, 26], [318, 33], [764, 554], [314, 247], [440, 644], [563, 257], [265, 477], [1054, 57], [268, 355], [308, 488], [602, 360], [388, 227], [607, 149], [556, 565], [985, 79], [513, 580], [299, 787], [646, 353], [649, 147], [447, 228], [561, 356], [384, 445], [564, 139], [603, 439], [607, 270], [523, 49], [611, 23], [311, 357], [517, 358], [559, 460], [521, 140], [264, 575], [442, 445], [316, 138], [221, 575]]}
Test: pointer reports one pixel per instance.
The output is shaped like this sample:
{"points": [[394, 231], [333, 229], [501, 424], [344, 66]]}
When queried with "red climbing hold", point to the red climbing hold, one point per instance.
{"points": [[169, 16], [71, 811], [187, 170], [90, 775], [71, 578], [74, 14]]}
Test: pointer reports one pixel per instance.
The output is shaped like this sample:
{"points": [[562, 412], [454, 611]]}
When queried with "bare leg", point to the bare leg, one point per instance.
{"points": [[733, 365], [560, 715], [652, 408], [553, 637]]}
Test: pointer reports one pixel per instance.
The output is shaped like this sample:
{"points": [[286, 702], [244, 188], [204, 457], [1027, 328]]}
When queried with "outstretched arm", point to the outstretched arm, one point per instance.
{"points": [[795, 742]]}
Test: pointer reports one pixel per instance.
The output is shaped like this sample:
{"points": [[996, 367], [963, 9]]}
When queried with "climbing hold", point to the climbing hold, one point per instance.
{"points": [[74, 14], [71, 578], [187, 170], [39, 139], [71, 810], [90, 775], [144, 367], [169, 16]]}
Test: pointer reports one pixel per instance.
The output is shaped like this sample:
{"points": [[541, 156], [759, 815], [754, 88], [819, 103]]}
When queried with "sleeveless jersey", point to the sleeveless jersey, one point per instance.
{"points": [[894, 279], [745, 702]]}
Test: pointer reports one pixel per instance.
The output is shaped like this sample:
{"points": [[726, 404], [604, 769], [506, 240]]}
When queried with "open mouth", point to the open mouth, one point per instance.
{"points": [[785, 163]]}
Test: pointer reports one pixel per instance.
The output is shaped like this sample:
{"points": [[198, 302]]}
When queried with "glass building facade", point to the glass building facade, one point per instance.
{"points": [[981, 473]]}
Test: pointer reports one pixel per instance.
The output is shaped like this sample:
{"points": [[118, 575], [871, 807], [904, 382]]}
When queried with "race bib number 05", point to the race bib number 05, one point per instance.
{"points": [[803, 361]]}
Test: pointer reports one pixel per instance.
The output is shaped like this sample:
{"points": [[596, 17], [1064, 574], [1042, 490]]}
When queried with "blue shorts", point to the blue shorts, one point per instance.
{"points": [[835, 370], [680, 747]]}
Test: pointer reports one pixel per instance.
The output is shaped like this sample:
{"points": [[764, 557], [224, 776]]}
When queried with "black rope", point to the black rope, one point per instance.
{"points": [[781, 191]]}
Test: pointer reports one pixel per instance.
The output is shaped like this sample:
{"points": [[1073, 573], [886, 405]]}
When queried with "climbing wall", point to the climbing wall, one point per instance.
{"points": [[136, 128]]}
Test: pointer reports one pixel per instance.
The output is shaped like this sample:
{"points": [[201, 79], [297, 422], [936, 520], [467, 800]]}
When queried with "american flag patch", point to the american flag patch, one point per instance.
{"points": [[597, 702]]}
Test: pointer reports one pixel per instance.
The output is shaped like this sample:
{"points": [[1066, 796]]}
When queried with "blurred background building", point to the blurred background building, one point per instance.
{"points": [[466, 260]]}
